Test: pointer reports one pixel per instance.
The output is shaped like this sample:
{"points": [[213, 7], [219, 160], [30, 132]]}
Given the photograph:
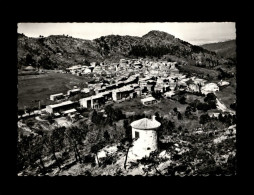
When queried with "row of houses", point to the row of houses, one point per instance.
{"points": [[121, 90]]}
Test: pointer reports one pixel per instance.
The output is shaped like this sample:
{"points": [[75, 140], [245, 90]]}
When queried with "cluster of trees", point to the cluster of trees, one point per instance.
{"points": [[223, 74], [209, 103], [147, 50], [29, 61], [233, 106], [189, 110], [166, 127], [227, 119], [157, 95], [113, 114], [58, 145]]}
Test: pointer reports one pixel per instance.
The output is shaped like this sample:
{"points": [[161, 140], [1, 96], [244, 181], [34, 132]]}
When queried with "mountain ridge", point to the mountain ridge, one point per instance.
{"points": [[226, 49], [57, 51]]}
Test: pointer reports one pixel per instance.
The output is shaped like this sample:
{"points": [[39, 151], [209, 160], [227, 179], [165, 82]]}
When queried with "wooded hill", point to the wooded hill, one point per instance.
{"points": [[226, 49], [59, 51]]}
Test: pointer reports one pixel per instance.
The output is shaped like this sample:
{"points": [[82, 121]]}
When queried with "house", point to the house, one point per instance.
{"points": [[56, 96], [29, 68], [122, 93], [159, 88], [73, 92], [69, 112], [209, 88], [94, 102], [87, 71], [223, 83], [148, 100], [63, 106], [73, 69], [169, 94], [85, 90]]}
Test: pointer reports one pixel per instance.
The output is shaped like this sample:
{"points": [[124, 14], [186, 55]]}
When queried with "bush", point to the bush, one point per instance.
{"points": [[204, 119], [209, 97], [233, 106], [182, 100]]}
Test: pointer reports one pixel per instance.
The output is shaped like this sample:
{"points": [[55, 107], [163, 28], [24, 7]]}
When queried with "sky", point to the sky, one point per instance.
{"points": [[194, 33]]}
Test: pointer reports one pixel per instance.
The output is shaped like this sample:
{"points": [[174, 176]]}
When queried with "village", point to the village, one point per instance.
{"points": [[145, 81], [126, 80]]}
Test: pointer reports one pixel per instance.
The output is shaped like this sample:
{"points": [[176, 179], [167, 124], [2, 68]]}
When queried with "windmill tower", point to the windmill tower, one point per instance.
{"points": [[144, 132]]}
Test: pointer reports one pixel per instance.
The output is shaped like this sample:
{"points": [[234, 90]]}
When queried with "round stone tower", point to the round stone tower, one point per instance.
{"points": [[145, 135]]}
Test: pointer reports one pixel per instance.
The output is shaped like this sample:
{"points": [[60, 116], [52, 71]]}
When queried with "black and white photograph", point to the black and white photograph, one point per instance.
{"points": [[126, 99]]}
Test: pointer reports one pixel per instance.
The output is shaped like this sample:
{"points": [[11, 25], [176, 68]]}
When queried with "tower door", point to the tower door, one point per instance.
{"points": [[136, 134]]}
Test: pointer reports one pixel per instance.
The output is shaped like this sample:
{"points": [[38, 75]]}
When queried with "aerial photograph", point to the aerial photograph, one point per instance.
{"points": [[126, 99]]}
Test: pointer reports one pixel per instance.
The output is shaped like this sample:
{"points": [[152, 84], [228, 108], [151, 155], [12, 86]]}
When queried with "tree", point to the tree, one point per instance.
{"points": [[129, 145], [157, 95], [29, 60], [233, 106], [76, 136], [127, 127], [210, 97], [54, 141], [179, 116], [204, 119], [106, 136], [182, 100], [95, 149], [38, 151], [21, 112]]}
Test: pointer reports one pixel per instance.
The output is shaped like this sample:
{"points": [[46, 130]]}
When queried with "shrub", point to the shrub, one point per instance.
{"points": [[204, 119]]}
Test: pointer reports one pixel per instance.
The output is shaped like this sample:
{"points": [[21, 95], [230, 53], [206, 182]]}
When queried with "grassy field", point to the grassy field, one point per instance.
{"points": [[200, 72], [163, 107], [40, 87], [227, 95]]}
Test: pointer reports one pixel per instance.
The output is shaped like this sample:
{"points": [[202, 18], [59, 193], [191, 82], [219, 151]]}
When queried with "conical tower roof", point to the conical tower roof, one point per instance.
{"points": [[145, 124]]}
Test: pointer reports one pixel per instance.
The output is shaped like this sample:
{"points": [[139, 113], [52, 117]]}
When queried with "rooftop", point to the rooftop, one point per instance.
{"points": [[57, 94], [69, 111], [145, 124], [148, 99], [61, 104], [122, 89]]}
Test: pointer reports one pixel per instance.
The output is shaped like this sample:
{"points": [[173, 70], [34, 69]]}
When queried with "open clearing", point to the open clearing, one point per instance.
{"points": [[213, 74], [164, 106], [228, 94], [40, 87]]}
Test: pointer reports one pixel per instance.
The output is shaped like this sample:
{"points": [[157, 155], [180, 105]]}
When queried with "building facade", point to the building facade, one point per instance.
{"points": [[144, 132]]}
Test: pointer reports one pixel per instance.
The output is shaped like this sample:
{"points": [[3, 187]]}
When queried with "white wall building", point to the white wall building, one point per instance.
{"points": [[145, 135]]}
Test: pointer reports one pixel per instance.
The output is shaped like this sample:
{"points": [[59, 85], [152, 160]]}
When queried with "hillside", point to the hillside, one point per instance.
{"points": [[59, 51], [225, 49]]}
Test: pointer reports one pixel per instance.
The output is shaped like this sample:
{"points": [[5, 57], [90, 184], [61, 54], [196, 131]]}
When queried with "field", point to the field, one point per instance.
{"points": [[40, 87], [164, 106], [200, 72], [227, 95]]}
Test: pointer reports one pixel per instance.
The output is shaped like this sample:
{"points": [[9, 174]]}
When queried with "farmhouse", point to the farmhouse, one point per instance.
{"points": [[209, 88], [56, 96], [63, 106], [29, 68], [85, 90], [148, 100], [73, 92], [93, 102], [68, 112], [122, 92]]}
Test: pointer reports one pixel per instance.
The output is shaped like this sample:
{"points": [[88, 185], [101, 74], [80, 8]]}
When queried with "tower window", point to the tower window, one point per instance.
{"points": [[136, 134]]}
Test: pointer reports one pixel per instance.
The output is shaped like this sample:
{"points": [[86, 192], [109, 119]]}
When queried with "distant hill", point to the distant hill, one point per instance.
{"points": [[59, 51], [225, 49]]}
